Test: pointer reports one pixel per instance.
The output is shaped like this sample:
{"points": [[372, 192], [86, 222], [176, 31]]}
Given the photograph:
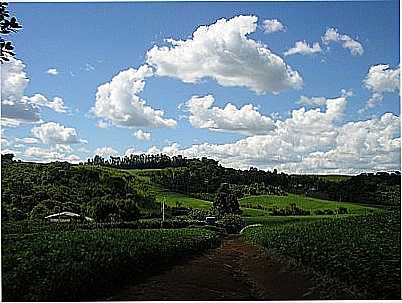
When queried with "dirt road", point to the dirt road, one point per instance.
{"points": [[234, 271]]}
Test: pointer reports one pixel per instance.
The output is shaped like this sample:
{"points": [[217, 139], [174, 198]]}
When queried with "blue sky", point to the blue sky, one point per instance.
{"points": [[88, 44]]}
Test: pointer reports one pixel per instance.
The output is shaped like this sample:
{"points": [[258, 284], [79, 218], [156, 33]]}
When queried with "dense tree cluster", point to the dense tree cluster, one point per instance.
{"points": [[141, 161], [34, 190]]}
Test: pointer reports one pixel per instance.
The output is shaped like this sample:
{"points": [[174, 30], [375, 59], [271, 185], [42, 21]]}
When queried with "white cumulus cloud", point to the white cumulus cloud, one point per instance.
{"points": [[246, 120], [303, 48], [52, 71], [379, 80], [118, 102], [141, 135], [55, 133], [332, 35], [273, 25], [223, 51], [311, 141], [40, 154], [16, 107], [106, 152]]}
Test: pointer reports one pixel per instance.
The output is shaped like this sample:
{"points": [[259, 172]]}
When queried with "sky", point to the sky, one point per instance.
{"points": [[303, 87]]}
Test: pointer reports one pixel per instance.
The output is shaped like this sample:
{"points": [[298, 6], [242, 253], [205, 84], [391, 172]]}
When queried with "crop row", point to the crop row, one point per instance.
{"points": [[362, 252], [87, 264]]}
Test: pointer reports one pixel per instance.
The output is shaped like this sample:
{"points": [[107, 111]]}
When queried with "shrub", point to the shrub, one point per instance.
{"points": [[342, 210], [290, 210], [199, 214], [232, 223]]}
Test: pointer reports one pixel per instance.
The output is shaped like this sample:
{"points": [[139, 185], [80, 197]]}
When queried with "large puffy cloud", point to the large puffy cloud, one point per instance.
{"points": [[311, 141], [55, 133], [223, 52], [57, 104], [17, 108], [332, 35], [379, 80], [118, 102], [303, 48], [273, 25], [246, 120]]}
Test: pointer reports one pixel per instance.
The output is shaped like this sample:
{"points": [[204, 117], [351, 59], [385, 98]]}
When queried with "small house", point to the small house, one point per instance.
{"points": [[67, 217]]}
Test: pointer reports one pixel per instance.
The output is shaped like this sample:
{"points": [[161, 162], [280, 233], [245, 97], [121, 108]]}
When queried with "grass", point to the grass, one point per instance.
{"points": [[82, 264], [361, 252], [312, 204], [171, 199]]}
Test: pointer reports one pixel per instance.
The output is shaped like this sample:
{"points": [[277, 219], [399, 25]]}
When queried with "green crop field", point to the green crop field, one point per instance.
{"points": [[277, 220], [64, 266], [363, 252], [269, 201]]}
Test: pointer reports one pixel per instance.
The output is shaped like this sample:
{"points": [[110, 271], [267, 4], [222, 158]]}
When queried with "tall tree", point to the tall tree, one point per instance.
{"points": [[225, 201]]}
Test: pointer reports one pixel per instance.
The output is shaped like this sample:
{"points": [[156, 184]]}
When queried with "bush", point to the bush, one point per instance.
{"points": [[290, 210], [232, 223], [199, 214], [319, 212], [342, 210]]}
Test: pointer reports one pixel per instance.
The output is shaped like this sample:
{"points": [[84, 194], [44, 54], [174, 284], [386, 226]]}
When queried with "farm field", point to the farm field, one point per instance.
{"points": [[278, 220], [362, 252], [249, 204], [307, 203], [64, 265]]}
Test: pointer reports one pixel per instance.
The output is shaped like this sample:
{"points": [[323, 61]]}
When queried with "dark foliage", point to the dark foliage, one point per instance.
{"points": [[226, 202], [33, 190], [141, 161], [8, 25], [290, 210], [232, 223]]}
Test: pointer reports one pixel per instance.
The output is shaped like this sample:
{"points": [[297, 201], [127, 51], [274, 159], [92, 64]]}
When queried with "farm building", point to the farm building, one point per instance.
{"points": [[67, 216]]}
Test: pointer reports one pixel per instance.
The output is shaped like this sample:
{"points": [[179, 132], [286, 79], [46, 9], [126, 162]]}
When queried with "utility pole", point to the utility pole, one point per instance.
{"points": [[163, 209]]}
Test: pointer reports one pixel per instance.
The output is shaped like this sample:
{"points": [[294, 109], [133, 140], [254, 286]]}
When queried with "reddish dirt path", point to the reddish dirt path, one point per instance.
{"points": [[234, 271]]}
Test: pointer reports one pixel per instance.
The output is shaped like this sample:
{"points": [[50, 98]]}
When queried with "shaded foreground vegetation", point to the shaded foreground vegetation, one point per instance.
{"points": [[362, 252], [75, 265]]}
